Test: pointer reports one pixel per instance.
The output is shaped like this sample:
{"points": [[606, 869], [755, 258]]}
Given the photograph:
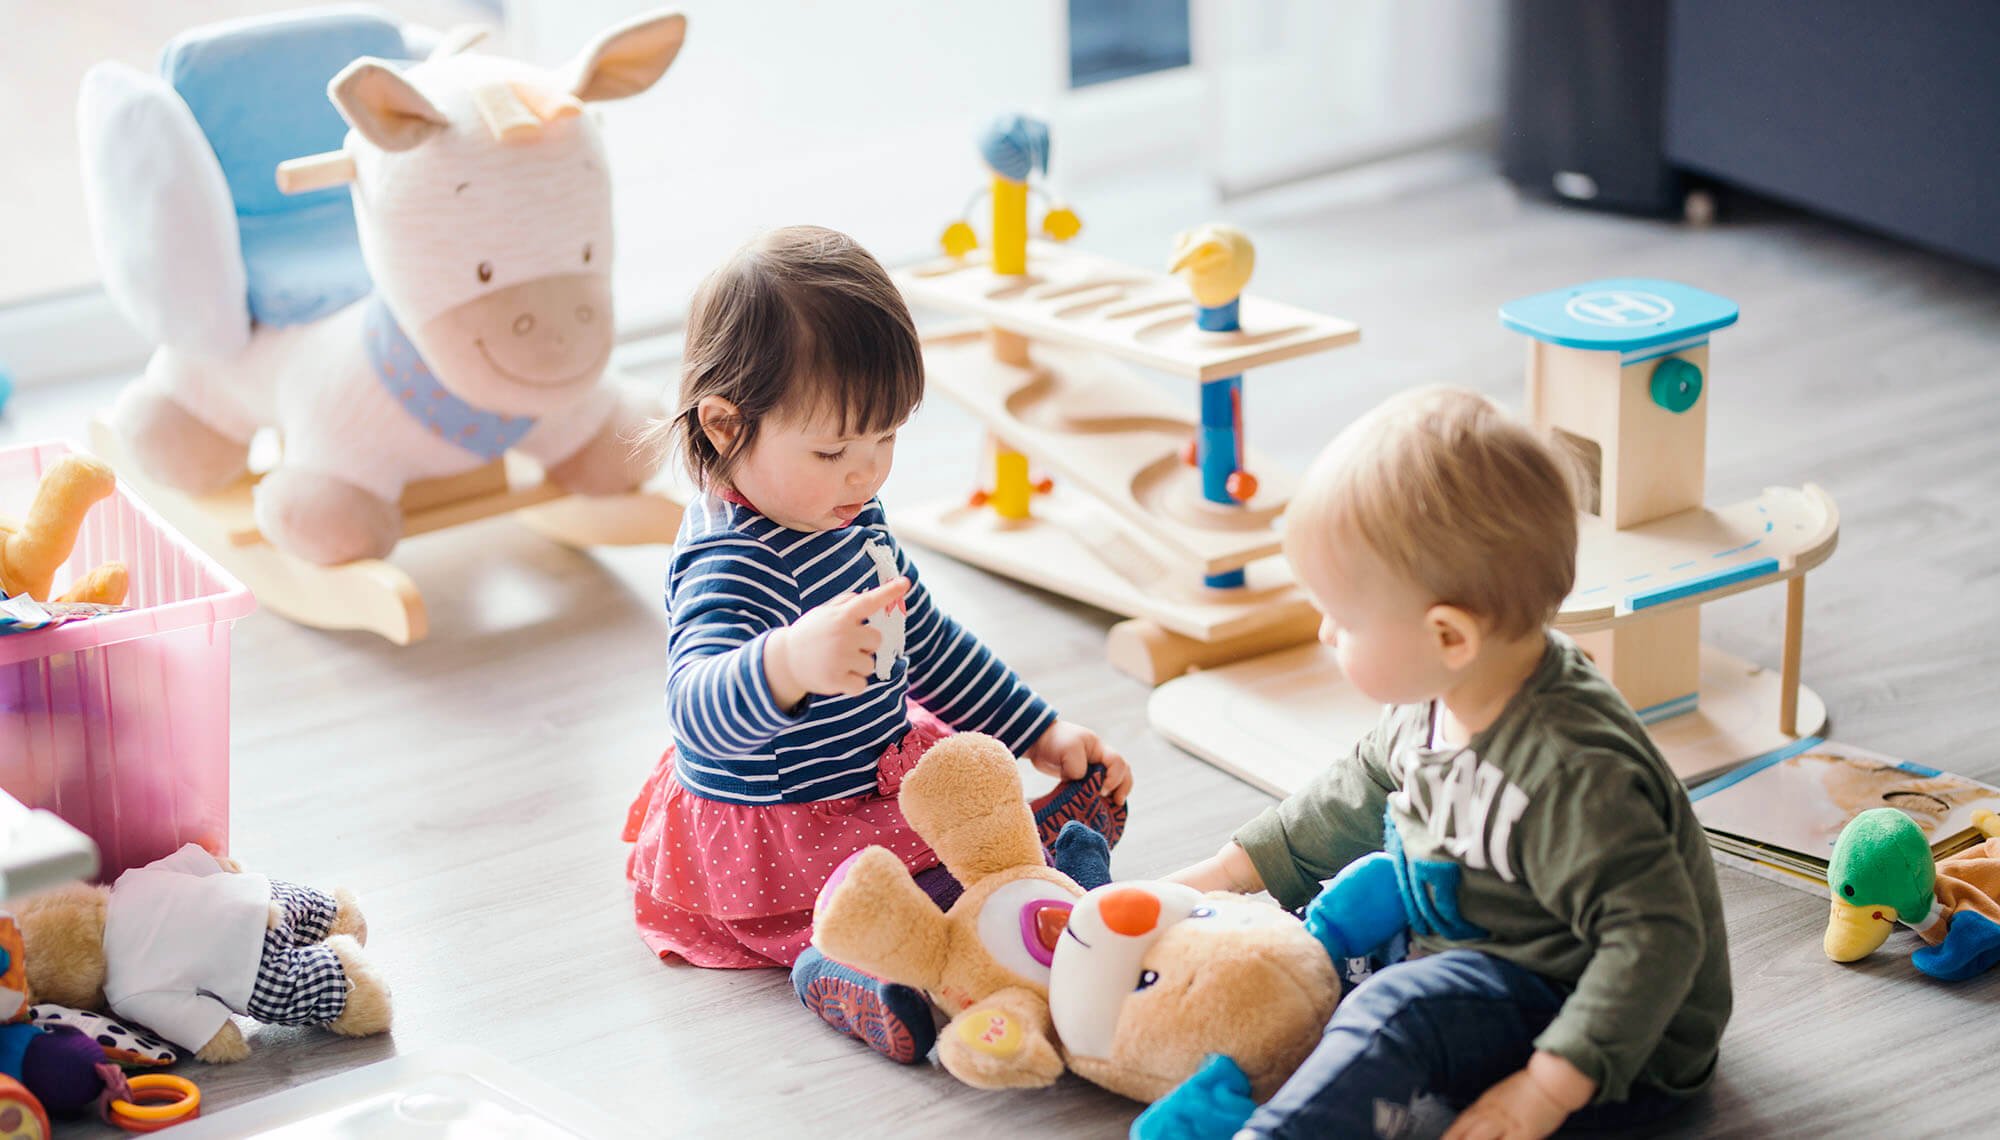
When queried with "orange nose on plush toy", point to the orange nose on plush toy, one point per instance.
{"points": [[1130, 912], [1050, 919]]}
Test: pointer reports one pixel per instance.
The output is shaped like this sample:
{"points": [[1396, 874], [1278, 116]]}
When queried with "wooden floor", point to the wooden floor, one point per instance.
{"points": [[471, 788]]}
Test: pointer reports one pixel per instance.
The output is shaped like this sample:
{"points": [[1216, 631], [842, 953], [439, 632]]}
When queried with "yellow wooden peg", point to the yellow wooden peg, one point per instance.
{"points": [[1010, 225], [1012, 489], [959, 239]]}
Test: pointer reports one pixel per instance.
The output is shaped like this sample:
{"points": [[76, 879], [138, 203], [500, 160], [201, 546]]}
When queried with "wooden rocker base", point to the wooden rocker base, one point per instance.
{"points": [[371, 594], [1276, 720]]}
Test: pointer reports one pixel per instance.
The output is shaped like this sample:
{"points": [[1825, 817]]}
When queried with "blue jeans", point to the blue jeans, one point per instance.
{"points": [[1444, 1027]]}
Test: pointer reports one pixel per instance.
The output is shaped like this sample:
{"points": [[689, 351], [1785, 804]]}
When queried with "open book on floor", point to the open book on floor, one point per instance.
{"points": [[1782, 812]]}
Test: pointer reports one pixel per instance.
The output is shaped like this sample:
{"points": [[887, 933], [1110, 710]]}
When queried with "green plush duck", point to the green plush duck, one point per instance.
{"points": [[1882, 873]]}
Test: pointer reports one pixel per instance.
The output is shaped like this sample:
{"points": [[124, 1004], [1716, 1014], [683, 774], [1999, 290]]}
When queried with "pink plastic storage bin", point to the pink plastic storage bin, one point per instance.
{"points": [[120, 724]]}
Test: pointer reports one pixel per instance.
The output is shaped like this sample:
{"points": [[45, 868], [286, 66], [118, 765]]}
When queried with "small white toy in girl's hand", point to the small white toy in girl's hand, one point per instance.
{"points": [[890, 621]]}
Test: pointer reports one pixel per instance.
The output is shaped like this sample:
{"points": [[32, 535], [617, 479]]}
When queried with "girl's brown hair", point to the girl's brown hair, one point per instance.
{"points": [[801, 322]]}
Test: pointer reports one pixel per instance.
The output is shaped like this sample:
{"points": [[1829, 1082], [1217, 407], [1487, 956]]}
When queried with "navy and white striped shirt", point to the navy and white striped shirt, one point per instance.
{"points": [[736, 578]]}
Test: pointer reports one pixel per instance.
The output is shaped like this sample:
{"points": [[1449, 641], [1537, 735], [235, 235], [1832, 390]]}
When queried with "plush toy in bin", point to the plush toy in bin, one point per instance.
{"points": [[1134, 985], [1883, 873], [184, 942], [32, 550]]}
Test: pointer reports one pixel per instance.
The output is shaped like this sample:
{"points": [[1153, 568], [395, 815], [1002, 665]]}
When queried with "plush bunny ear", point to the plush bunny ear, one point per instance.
{"points": [[629, 58], [377, 101]]}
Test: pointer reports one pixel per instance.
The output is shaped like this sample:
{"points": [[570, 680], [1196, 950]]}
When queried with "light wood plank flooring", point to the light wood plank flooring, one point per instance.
{"points": [[471, 788]]}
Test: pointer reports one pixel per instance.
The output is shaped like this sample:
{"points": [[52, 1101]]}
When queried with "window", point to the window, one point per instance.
{"points": [[1117, 39]]}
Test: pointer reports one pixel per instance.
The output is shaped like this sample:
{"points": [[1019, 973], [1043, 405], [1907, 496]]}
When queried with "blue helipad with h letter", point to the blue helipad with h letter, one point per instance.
{"points": [[1620, 314]]}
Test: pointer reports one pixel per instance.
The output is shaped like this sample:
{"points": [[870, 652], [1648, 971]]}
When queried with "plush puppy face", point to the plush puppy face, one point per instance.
{"points": [[1152, 977]]}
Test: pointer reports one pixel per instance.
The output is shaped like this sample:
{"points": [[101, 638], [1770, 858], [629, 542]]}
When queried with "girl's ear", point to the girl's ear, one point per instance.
{"points": [[721, 422]]}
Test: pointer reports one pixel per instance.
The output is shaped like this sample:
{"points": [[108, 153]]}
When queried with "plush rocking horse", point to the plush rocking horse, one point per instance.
{"points": [[430, 349]]}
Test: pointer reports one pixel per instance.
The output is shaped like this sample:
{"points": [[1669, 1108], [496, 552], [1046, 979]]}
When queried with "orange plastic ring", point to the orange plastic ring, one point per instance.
{"points": [[156, 1125], [186, 1103]]}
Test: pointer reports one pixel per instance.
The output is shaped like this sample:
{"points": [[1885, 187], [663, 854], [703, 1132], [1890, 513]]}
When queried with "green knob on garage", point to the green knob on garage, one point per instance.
{"points": [[1676, 384]]}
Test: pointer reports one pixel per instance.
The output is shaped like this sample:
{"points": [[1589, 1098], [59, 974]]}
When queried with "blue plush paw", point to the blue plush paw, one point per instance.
{"points": [[1359, 910], [1213, 1103], [1971, 947]]}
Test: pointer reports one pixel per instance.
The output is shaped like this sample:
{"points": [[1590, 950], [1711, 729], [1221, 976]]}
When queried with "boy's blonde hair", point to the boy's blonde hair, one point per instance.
{"points": [[1452, 493]]}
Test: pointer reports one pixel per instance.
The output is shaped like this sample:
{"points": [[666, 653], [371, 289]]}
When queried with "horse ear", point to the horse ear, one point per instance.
{"points": [[377, 101], [629, 58]]}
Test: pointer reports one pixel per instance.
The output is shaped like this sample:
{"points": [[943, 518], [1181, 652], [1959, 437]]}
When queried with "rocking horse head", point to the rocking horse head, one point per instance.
{"points": [[483, 203]]}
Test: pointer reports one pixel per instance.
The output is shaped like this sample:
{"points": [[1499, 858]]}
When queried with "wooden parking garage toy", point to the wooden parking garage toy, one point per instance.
{"points": [[1619, 371]]}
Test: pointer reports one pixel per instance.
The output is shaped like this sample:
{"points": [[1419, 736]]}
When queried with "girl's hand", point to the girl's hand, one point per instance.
{"points": [[1066, 751], [830, 651]]}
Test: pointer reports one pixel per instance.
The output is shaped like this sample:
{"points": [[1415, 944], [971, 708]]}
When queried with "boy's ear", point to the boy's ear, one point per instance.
{"points": [[1456, 633], [720, 421]]}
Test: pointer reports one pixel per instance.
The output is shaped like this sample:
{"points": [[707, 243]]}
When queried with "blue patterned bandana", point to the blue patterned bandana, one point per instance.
{"points": [[412, 383]]}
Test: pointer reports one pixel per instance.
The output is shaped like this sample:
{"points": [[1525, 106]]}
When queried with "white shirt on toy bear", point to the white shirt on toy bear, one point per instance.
{"points": [[182, 940]]}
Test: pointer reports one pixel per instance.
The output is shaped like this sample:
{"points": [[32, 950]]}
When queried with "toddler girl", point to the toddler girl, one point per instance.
{"points": [[808, 668]]}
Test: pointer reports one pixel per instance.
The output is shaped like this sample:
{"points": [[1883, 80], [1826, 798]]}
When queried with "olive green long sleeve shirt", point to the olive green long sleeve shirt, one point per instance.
{"points": [[1557, 839]]}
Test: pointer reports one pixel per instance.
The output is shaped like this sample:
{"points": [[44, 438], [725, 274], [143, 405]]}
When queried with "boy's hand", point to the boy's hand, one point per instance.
{"points": [[1066, 751], [1229, 869], [1527, 1105], [830, 651]]}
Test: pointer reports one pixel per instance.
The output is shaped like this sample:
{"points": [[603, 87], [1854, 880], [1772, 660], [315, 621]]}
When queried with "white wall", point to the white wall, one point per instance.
{"points": [[861, 115], [1302, 86]]}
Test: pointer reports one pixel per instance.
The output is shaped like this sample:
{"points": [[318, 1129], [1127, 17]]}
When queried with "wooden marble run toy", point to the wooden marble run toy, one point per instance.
{"points": [[1618, 370], [1157, 515]]}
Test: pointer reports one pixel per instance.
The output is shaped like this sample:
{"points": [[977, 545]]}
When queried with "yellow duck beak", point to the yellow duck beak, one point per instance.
{"points": [[1854, 932], [1215, 260], [1205, 255]]}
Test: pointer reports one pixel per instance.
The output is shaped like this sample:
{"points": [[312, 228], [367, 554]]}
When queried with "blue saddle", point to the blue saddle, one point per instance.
{"points": [[257, 87]]}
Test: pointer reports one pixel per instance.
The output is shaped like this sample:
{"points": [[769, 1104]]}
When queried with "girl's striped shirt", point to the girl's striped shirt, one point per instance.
{"points": [[736, 578]]}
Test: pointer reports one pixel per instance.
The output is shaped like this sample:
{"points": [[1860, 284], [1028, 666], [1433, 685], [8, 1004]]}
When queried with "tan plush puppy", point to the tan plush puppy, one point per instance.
{"points": [[1153, 977], [986, 961], [32, 551]]}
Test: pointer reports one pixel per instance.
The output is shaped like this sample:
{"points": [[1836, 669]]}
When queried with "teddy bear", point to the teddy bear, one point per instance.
{"points": [[985, 962], [180, 944], [1153, 977], [1132, 985], [32, 550]]}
